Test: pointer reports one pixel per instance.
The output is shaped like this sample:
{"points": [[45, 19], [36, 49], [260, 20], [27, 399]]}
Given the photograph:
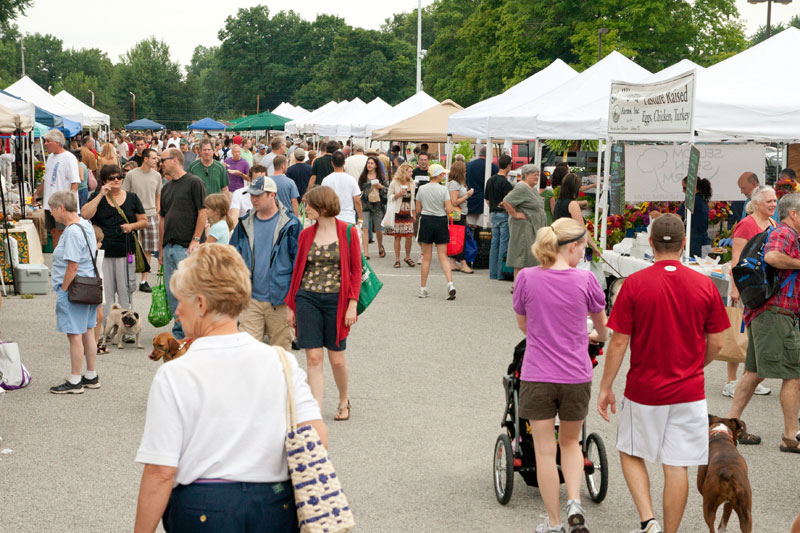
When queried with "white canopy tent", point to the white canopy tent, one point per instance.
{"points": [[356, 125], [28, 90], [474, 121], [735, 101], [289, 111], [590, 121], [296, 126], [100, 119], [328, 125], [409, 107], [521, 122]]}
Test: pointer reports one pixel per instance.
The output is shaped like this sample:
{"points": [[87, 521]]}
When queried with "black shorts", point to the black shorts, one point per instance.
{"points": [[50, 222], [315, 313], [433, 230]]}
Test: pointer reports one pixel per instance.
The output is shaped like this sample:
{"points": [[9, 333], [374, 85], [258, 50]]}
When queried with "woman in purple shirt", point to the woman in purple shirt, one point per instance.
{"points": [[552, 302]]}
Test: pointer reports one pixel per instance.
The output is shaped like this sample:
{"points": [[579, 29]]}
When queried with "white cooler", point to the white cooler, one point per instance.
{"points": [[32, 279]]}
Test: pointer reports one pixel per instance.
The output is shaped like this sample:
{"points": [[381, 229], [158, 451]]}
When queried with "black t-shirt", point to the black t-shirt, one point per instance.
{"points": [[181, 200], [116, 243], [138, 159], [425, 177], [300, 174], [497, 188], [321, 167]]}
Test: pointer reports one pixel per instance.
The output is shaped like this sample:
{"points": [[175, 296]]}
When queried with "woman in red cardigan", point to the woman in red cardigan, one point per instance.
{"points": [[324, 292]]}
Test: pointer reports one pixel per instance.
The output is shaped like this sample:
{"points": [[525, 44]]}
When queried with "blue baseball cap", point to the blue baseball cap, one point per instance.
{"points": [[262, 185]]}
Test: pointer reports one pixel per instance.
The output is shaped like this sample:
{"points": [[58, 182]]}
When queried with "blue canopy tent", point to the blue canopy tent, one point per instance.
{"points": [[144, 124], [207, 124], [70, 128]]}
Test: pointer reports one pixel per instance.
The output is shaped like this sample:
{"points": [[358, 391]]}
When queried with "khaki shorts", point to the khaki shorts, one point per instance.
{"points": [[262, 318], [542, 401], [773, 346]]}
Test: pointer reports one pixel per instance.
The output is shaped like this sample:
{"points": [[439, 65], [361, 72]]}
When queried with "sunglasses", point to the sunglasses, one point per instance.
{"points": [[114, 178]]}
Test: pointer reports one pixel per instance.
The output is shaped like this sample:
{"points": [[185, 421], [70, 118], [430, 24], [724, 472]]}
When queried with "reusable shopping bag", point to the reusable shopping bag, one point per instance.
{"points": [[371, 285], [734, 339], [13, 374], [159, 314], [457, 235], [470, 246]]}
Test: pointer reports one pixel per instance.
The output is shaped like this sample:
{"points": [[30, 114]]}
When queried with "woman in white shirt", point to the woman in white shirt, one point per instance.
{"points": [[213, 442]]}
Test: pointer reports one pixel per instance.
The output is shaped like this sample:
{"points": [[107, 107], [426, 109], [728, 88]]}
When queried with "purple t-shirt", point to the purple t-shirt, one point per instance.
{"points": [[235, 181], [556, 304]]}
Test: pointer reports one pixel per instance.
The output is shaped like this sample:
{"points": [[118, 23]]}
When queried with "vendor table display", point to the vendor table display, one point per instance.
{"points": [[21, 236]]}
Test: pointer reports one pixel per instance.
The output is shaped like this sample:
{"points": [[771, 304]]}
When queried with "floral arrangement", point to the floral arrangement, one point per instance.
{"points": [[38, 171], [718, 212], [785, 186]]}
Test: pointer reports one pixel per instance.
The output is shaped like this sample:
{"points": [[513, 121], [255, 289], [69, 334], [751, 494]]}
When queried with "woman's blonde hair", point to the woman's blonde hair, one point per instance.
{"points": [[551, 238], [756, 197], [217, 273], [108, 151], [218, 205], [458, 172], [400, 173]]}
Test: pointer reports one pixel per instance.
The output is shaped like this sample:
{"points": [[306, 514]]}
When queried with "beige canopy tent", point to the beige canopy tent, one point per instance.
{"points": [[430, 125]]}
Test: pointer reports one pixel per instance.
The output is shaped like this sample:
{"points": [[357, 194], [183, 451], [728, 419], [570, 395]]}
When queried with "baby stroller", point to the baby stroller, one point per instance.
{"points": [[514, 452]]}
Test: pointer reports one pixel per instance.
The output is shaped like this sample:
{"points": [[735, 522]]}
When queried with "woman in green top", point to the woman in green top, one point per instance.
{"points": [[526, 216], [546, 192]]}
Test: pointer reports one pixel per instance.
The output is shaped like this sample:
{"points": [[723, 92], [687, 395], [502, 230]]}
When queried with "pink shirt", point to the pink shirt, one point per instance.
{"points": [[556, 304]]}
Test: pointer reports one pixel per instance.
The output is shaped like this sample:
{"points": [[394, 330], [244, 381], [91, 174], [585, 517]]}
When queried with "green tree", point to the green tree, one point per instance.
{"points": [[9, 9], [202, 76], [404, 26], [43, 55], [761, 33]]}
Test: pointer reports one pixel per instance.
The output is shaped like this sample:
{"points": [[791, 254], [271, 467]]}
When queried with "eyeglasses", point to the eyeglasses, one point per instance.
{"points": [[166, 159]]}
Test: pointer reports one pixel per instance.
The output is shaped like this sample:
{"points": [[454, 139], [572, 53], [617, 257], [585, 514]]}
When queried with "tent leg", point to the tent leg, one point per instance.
{"points": [[487, 173], [597, 189], [7, 254], [604, 199], [20, 164]]}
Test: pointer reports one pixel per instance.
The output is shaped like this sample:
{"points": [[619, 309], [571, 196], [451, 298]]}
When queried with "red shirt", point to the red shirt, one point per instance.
{"points": [[782, 239], [349, 262], [667, 309], [748, 228]]}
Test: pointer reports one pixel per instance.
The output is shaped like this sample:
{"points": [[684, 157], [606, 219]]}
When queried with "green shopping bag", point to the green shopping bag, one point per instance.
{"points": [[370, 284], [159, 314]]}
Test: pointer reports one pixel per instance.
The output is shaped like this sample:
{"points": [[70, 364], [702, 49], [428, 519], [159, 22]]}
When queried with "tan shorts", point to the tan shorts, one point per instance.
{"points": [[542, 401], [261, 318]]}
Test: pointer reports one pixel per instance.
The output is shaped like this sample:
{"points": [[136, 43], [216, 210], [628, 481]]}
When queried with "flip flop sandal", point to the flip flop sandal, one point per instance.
{"points": [[381, 251], [397, 264], [789, 445], [410, 262], [339, 410], [366, 257]]}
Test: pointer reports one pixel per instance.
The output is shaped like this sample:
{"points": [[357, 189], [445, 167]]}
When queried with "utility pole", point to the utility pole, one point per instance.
{"points": [[134, 104], [600, 33], [258, 103], [419, 45], [22, 50], [769, 10]]}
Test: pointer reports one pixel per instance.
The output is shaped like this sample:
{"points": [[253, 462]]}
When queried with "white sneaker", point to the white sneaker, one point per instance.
{"points": [[575, 518], [423, 293], [451, 291], [652, 527], [729, 389], [761, 390], [547, 528]]}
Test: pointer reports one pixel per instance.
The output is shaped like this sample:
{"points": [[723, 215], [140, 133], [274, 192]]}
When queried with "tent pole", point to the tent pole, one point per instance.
{"points": [[487, 173], [449, 151], [597, 188], [604, 196], [537, 156], [20, 164], [7, 255]]}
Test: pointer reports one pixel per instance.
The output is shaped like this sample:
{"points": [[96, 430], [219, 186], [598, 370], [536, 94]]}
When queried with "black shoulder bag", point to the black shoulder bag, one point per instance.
{"points": [[86, 289]]}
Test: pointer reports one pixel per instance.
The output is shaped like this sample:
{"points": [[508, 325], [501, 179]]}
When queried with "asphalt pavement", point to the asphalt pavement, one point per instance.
{"points": [[416, 455]]}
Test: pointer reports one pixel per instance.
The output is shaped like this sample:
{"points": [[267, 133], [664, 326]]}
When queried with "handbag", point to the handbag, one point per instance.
{"points": [[91, 181], [86, 289], [371, 285], [388, 218], [141, 262], [159, 314], [457, 235], [321, 504], [13, 374], [470, 246], [734, 339]]}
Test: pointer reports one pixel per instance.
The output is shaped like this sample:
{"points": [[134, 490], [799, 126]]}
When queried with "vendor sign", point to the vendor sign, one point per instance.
{"points": [[652, 111]]}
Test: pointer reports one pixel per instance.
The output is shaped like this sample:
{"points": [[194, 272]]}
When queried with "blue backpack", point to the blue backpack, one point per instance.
{"points": [[755, 279]]}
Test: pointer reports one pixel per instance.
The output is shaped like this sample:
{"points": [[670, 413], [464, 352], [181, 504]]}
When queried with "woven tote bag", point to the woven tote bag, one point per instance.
{"points": [[321, 504]]}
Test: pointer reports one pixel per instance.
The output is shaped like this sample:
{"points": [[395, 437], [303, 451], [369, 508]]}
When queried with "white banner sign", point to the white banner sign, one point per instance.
{"points": [[654, 172], [652, 111]]}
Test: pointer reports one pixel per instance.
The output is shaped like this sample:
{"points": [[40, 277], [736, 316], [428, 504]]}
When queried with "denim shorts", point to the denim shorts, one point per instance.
{"points": [[316, 320], [73, 318], [231, 508]]}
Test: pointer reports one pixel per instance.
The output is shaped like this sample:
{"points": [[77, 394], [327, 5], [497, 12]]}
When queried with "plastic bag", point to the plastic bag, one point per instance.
{"points": [[159, 314]]}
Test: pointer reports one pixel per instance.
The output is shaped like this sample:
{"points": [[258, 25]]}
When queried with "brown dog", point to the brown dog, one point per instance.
{"points": [[725, 479], [167, 348]]}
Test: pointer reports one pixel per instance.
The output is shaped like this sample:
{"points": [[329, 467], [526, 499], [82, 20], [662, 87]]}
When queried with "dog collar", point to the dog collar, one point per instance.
{"points": [[720, 428]]}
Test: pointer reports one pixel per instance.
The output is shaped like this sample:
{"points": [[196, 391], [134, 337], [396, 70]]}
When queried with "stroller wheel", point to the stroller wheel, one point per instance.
{"points": [[503, 469], [596, 467]]}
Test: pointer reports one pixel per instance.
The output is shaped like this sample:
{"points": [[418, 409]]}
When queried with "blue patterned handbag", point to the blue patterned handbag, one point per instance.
{"points": [[321, 504]]}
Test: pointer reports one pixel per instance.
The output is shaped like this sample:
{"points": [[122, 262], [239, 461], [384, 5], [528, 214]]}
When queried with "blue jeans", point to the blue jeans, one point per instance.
{"points": [[231, 508], [173, 254], [499, 244]]}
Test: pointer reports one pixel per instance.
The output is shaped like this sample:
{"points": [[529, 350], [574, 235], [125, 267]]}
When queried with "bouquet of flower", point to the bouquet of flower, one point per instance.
{"points": [[38, 171], [718, 212], [785, 186]]}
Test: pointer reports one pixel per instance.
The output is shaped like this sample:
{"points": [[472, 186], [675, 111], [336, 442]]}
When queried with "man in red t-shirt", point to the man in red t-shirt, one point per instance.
{"points": [[673, 319], [773, 338]]}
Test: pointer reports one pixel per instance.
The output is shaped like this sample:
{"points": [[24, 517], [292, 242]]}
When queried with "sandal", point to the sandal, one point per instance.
{"points": [[410, 262], [397, 264], [749, 438], [101, 348], [366, 257], [381, 251], [339, 410], [789, 445]]}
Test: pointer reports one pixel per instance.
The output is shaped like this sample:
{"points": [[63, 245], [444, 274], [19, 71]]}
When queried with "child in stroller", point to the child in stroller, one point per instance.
{"points": [[514, 450]]}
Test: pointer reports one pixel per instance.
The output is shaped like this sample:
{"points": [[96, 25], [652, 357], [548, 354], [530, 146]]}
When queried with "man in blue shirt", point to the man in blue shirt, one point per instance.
{"points": [[476, 177], [267, 240], [288, 195]]}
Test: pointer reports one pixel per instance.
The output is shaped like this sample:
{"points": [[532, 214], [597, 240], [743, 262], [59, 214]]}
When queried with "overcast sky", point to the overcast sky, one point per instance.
{"points": [[184, 24]]}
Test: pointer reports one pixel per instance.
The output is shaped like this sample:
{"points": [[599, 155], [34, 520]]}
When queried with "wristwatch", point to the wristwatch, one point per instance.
{"points": [[196, 239]]}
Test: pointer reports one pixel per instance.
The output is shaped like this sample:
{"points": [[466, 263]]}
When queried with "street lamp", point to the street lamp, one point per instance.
{"points": [[92, 93], [769, 9], [134, 104], [600, 33]]}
